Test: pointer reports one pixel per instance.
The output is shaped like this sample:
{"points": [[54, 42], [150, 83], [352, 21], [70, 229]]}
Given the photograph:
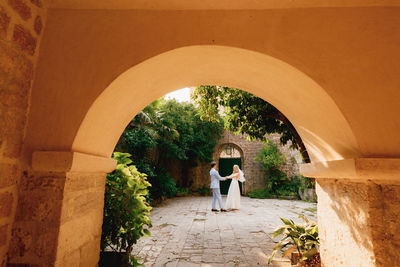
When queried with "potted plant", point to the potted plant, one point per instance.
{"points": [[126, 213], [300, 241]]}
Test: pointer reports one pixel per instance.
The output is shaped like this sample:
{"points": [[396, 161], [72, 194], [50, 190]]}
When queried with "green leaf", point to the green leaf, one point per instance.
{"points": [[272, 256]]}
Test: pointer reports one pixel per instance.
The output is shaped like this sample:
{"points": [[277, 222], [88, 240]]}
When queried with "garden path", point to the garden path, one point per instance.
{"points": [[187, 233]]}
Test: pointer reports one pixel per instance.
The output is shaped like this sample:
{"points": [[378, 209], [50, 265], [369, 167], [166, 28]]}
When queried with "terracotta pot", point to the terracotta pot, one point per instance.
{"points": [[294, 258]]}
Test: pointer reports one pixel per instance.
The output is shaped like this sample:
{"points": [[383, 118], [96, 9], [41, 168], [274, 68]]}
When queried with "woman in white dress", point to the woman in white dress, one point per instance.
{"points": [[233, 198]]}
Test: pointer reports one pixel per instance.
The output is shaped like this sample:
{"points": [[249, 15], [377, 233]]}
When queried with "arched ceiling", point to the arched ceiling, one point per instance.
{"points": [[316, 117]]}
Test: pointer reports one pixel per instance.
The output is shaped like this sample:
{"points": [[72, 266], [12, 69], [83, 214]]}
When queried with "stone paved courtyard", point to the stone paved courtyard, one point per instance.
{"points": [[186, 233]]}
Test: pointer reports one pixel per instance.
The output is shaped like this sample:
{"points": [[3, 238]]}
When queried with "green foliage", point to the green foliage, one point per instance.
{"points": [[259, 193], [197, 138], [278, 183], [204, 191], [182, 190], [305, 182], [272, 159], [167, 130], [126, 212], [270, 156], [247, 114], [301, 237]]}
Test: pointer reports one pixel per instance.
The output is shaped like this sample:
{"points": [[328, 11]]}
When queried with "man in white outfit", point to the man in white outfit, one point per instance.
{"points": [[215, 178]]}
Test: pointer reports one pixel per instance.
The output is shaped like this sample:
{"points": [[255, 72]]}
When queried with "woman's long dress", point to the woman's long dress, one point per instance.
{"points": [[233, 198]]}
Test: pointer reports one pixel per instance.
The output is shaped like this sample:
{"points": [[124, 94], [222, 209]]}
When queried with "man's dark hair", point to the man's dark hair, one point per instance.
{"points": [[213, 163]]}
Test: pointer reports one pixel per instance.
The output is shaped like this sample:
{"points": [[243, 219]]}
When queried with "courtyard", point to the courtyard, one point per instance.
{"points": [[186, 232]]}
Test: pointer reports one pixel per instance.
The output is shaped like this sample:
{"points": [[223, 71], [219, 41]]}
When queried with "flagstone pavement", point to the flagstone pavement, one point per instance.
{"points": [[186, 232]]}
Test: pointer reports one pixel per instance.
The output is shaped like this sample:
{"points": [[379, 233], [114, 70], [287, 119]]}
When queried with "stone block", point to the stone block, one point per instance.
{"points": [[37, 3], [89, 253], [21, 8], [9, 174], [3, 234], [16, 68], [24, 40], [45, 245], [4, 22], [12, 100], [72, 259], [39, 207], [38, 25], [48, 184], [21, 239], [6, 204]]}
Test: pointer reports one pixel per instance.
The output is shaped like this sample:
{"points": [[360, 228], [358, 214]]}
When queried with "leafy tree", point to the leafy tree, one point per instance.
{"points": [[171, 130], [248, 114]]}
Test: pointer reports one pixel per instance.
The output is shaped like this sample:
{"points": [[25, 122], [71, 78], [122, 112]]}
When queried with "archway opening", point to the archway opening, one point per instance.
{"points": [[229, 155], [326, 133]]}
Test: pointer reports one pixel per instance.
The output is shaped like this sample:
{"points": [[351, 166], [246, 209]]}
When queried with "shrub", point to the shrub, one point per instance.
{"points": [[259, 193], [163, 185], [272, 159], [204, 191], [126, 212], [182, 190], [167, 185]]}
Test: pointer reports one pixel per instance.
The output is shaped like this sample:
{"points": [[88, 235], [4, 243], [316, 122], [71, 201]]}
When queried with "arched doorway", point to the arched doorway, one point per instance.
{"points": [[229, 155], [326, 134]]}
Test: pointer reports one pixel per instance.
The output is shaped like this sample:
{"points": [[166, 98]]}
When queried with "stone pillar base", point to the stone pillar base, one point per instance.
{"points": [[358, 211], [60, 211]]}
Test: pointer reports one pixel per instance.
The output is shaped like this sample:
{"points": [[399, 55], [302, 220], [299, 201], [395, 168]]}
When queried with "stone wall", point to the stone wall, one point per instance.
{"points": [[360, 220], [21, 24], [253, 170]]}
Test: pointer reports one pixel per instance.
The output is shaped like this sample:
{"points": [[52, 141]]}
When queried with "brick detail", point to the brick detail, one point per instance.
{"points": [[3, 234], [38, 25], [24, 39], [4, 22], [9, 174], [21, 8], [21, 24], [6, 203], [253, 170], [37, 3]]}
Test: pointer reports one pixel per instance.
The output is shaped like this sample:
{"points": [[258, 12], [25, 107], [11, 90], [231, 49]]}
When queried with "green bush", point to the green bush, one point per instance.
{"points": [[167, 185], [204, 191], [272, 159], [163, 185], [182, 190], [259, 193], [126, 212], [305, 182]]}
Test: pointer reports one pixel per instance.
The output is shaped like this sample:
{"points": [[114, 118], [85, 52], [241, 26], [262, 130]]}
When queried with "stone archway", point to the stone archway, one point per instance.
{"points": [[103, 73], [326, 134]]}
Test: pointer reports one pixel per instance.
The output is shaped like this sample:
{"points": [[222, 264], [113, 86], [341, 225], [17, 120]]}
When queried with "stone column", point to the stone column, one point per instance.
{"points": [[60, 210], [358, 211]]}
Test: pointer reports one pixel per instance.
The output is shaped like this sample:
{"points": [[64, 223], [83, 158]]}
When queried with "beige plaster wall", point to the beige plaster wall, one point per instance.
{"points": [[335, 47]]}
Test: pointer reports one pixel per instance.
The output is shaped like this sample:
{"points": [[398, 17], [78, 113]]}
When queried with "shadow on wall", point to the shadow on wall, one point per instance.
{"points": [[363, 230]]}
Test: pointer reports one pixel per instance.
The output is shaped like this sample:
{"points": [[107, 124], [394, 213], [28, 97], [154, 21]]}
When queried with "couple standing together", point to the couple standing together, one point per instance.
{"points": [[233, 198]]}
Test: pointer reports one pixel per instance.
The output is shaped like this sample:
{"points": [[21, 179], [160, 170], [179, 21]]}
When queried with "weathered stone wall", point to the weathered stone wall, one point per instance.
{"points": [[253, 170], [59, 219], [360, 223], [21, 24]]}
